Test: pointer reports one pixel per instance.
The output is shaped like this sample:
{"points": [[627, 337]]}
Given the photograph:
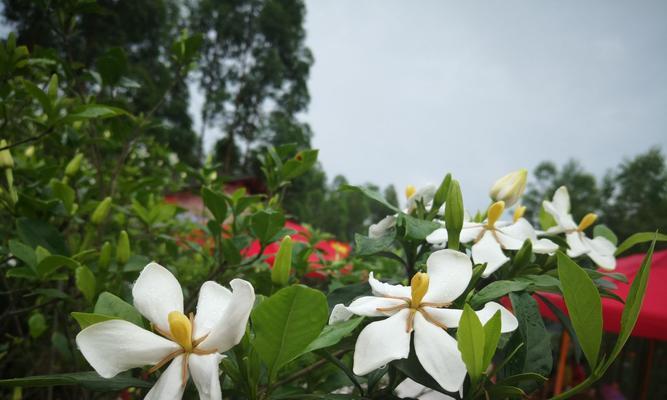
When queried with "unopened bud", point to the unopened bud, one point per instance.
{"points": [[73, 165], [123, 248], [101, 212], [6, 160], [510, 187]]}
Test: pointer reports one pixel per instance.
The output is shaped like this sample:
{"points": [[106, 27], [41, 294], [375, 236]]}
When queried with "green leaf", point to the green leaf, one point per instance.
{"points": [[546, 219], [332, 334], [583, 305], [345, 294], [633, 304], [23, 253], [89, 380], [491, 338], [52, 263], [87, 319], [371, 194], [215, 202], [365, 246], [37, 324], [416, 228], [495, 290], [85, 282], [299, 165], [64, 193], [112, 65], [441, 194], [286, 323], [265, 224], [471, 343], [637, 238], [90, 111], [528, 376], [41, 97], [535, 354], [605, 232], [21, 272], [454, 214], [35, 233], [112, 305]]}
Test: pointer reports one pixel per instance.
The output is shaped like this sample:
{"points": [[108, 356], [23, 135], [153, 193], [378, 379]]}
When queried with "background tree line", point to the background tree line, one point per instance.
{"points": [[253, 73]]}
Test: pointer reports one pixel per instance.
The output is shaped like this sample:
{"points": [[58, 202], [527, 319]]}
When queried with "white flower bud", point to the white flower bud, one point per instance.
{"points": [[510, 187]]}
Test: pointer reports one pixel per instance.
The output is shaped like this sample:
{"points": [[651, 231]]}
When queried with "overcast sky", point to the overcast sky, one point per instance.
{"points": [[404, 91]]}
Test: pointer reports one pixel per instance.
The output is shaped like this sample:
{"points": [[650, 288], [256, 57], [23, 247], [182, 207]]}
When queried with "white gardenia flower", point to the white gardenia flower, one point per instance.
{"points": [[193, 345], [424, 195], [422, 308], [599, 249], [493, 236], [381, 228], [510, 187], [414, 390]]}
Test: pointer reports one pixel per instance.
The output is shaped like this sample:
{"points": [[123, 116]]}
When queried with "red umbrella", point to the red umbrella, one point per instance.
{"points": [[652, 321]]}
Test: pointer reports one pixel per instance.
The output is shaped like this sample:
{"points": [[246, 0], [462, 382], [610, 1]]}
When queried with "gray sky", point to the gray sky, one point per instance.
{"points": [[404, 91]]}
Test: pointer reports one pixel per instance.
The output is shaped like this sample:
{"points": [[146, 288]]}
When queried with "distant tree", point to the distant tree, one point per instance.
{"points": [[143, 30], [635, 195], [254, 73]]}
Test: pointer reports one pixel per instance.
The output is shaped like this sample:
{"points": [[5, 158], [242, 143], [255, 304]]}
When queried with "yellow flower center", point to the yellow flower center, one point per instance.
{"points": [[518, 212], [495, 212], [181, 329], [587, 221], [410, 191], [419, 286]]}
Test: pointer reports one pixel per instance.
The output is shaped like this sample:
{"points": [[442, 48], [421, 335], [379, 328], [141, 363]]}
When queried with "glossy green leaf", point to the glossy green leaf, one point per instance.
{"points": [[215, 202], [64, 193], [35, 233], [471, 343], [87, 319], [112, 305], [89, 380], [495, 290], [51, 263], [37, 324], [584, 306], [605, 232], [345, 294], [637, 238], [416, 228], [491, 338], [371, 194], [265, 224], [24, 253], [286, 323], [364, 245], [300, 164], [85, 282], [332, 334]]}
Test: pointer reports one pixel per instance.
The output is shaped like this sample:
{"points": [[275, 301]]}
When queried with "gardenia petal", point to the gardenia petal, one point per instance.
{"points": [[508, 321], [438, 353], [577, 244], [602, 252], [211, 306], [367, 306], [544, 246], [157, 293], [559, 208], [169, 385], [340, 313], [206, 375], [470, 231], [231, 327], [380, 229], [386, 289], [449, 273], [488, 250], [451, 317], [424, 194], [438, 237], [414, 390], [381, 342], [508, 242], [114, 346]]}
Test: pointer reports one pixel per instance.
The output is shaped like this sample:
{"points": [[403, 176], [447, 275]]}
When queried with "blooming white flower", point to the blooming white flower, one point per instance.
{"points": [[382, 227], [493, 236], [194, 344], [424, 194], [422, 308], [599, 249], [510, 187]]}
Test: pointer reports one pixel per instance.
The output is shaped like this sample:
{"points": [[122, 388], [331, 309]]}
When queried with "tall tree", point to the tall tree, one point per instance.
{"points": [[142, 30], [254, 74]]}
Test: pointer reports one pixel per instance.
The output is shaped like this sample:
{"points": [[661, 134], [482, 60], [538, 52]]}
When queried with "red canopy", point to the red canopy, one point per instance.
{"points": [[652, 321]]}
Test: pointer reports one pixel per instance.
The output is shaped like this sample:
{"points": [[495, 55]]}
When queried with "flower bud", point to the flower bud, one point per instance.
{"points": [[105, 255], [73, 165], [123, 248], [6, 160], [510, 187], [410, 191], [283, 263], [101, 212]]}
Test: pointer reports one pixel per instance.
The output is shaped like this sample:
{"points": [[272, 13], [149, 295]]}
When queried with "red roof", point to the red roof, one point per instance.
{"points": [[652, 321]]}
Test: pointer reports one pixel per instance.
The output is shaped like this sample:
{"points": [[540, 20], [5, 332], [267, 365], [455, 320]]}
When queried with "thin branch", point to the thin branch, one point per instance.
{"points": [[28, 140]]}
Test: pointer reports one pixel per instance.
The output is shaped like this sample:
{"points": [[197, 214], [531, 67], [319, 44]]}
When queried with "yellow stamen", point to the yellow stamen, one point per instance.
{"points": [[419, 286], [587, 221], [495, 212], [518, 212], [410, 191], [181, 329]]}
